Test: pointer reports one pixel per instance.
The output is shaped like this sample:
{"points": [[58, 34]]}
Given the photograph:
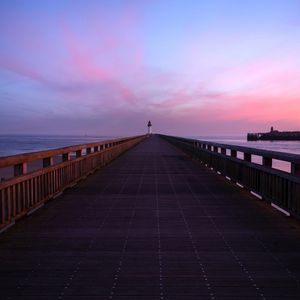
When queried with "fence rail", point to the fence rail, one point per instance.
{"points": [[281, 188], [27, 191]]}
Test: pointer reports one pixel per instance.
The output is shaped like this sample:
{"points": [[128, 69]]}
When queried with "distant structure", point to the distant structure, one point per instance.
{"points": [[149, 127], [274, 135]]}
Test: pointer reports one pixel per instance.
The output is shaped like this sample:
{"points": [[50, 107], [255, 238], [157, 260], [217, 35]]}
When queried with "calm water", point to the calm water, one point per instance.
{"points": [[16, 144], [280, 146]]}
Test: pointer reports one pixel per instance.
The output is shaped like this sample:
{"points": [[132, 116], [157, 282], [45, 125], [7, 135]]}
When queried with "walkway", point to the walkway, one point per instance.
{"points": [[152, 225]]}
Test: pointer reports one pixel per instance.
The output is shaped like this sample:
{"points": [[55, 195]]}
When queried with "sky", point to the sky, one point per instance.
{"points": [[194, 68]]}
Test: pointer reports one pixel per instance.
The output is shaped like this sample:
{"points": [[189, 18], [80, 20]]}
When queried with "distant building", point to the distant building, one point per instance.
{"points": [[149, 127]]}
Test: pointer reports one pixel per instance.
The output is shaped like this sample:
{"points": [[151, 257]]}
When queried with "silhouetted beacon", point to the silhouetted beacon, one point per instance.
{"points": [[149, 127]]}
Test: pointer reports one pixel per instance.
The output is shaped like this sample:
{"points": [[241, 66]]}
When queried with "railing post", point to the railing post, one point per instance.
{"points": [[209, 147], [233, 153], [247, 157], [20, 169], [47, 162], [295, 169], [267, 161], [66, 157], [25, 193]]}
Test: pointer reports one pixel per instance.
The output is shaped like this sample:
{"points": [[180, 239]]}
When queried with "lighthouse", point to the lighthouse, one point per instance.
{"points": [[149, 127]]}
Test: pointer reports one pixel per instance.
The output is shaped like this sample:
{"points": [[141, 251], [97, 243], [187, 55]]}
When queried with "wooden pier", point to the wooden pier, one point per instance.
{"points": [[153, 224]]}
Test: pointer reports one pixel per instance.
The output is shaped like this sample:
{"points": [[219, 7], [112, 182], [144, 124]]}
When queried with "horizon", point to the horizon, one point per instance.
{"points": [[194, 68]]}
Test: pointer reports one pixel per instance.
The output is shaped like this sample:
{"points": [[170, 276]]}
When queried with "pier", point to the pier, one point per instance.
{"points": [[150, 217]]}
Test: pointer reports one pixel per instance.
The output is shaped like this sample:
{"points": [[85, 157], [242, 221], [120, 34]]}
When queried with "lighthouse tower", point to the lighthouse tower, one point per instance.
{"points": [[149, 127]]}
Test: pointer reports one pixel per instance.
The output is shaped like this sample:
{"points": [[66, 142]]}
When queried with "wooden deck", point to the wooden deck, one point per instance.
{"points": [[152, 225]]}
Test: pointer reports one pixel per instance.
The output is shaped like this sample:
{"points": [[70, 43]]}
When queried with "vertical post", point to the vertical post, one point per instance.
{"points": [[47, 162], [209, 147], [233, 153], [247, 157], [295, 169], [78, 153], [267, 161], [96, 148], [2, 204], [20, 169], [66, 157]]}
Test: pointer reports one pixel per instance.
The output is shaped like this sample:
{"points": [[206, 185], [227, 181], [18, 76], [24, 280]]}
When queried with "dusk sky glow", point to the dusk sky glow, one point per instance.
{"points": [[215, 67]]}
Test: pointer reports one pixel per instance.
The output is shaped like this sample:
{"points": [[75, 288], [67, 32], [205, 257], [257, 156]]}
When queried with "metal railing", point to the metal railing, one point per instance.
{"points": [[60, 169], [281, 188]]}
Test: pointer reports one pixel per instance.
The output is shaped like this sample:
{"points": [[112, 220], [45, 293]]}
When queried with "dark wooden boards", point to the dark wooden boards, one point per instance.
{"points": [[152, 225]]}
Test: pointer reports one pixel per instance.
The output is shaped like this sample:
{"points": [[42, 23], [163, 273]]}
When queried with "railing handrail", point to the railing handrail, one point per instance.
{"points": [[27, 191], [11, 160], [279, 187], [288, 157]]}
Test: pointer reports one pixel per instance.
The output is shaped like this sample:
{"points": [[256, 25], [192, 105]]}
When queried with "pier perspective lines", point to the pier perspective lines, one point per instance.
{"points": [[153, 224]]}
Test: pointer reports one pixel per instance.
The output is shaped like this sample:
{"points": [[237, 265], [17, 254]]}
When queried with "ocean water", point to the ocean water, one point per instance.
{"points": [[16, 144], [280, 146], [292, 147]]}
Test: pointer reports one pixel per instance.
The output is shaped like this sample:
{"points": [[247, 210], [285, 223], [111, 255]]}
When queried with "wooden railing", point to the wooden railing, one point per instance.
{"points": [[281, 188], [60, 169]]}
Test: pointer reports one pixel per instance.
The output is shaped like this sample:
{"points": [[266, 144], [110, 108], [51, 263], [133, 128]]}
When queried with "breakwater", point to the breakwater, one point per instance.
{"points": [[274, 135]]}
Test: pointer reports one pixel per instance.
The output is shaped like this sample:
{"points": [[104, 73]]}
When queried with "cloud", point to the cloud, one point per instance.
{"points": [[96, 68]]}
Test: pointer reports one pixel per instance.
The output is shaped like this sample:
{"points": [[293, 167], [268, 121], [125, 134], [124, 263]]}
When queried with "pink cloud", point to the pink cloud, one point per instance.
{"points": [[102, 70], [81, 59], [243, 108], [81, 74]]}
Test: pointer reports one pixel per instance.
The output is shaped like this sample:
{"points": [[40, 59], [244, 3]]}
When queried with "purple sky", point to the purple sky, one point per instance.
{"points": [[107, 67]]}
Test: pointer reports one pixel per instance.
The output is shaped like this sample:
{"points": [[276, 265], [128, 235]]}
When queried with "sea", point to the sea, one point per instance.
{"points": [[292, 147], [17, 144], [279, 146]]}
